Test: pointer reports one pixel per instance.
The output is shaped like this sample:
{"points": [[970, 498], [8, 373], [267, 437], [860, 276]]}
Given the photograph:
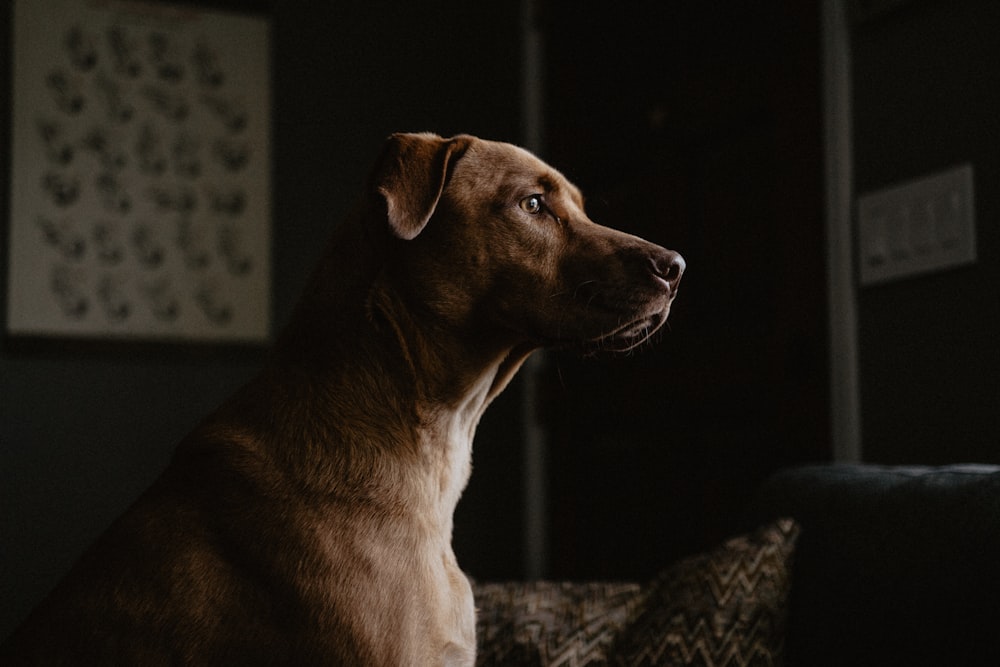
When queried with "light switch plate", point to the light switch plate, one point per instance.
{"points": [[927, 224]]}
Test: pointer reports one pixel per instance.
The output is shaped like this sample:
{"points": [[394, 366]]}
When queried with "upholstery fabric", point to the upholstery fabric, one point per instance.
{"points": [[725, 607], [896, 565], [546, 624]]}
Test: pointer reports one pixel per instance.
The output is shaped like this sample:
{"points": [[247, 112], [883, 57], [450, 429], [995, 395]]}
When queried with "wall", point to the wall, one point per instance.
{"points": [[703, 133], [84, 430], [926, 86]]}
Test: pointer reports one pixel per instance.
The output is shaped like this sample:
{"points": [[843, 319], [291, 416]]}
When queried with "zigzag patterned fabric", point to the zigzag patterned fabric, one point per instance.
{"points": [[551, 624], [724, 608]]}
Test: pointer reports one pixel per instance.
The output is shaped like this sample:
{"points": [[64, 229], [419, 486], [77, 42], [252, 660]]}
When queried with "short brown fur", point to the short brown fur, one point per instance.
{"points": [[309, 519]]}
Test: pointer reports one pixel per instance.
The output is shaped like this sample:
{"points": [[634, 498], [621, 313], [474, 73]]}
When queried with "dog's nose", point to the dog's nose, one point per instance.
{"points": [[669, 266]]}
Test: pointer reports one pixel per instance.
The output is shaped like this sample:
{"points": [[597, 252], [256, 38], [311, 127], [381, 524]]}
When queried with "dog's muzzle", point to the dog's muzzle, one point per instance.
{"points": [[667, 266]]}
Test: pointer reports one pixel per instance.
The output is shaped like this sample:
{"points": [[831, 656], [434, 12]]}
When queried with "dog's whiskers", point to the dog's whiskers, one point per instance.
{"points": [[581, 286]]}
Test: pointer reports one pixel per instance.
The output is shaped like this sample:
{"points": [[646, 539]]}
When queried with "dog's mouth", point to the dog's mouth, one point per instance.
{"points": [[639, 314], [602, 320], [624, 337], [628, 336]]}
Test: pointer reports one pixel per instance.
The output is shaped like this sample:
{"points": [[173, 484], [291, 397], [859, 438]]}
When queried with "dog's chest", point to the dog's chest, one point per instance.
{"points": [[452, 440], [449, 448]]}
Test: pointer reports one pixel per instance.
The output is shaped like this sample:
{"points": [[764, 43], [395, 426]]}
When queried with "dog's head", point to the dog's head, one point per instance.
{"points": [[486, 236]]}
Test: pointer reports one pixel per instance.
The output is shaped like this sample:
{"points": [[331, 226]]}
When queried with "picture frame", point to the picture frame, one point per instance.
{"points": [[140, 173]]}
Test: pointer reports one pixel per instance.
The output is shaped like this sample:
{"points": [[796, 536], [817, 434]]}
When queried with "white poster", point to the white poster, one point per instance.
{"points": [[140, 194]]}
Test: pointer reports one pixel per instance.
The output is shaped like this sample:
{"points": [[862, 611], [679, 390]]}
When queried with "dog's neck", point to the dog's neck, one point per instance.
{"points": [[369, 357], [449, 363], [455, 373]]}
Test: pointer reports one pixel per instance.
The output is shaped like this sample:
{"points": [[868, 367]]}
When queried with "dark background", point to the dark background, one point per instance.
{"points": [[696, 125], [703, 134], [927, 97]]}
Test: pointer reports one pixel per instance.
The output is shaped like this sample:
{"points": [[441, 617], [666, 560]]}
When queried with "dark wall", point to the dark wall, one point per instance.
{"points": [[696, 125], [83, 430], [927, 97]]}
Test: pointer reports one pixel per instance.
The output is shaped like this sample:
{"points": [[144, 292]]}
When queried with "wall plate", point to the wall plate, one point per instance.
{"points": [[924, 225]]}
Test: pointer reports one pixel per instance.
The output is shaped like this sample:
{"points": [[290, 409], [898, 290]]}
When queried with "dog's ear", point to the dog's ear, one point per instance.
{"points": [[410, 176]]}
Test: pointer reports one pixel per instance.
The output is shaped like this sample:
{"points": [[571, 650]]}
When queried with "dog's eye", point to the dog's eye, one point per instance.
{"points": [[532, 204]]}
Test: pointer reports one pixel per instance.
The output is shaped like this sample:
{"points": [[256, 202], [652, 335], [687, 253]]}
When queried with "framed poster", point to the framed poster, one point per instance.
{"points": [[140, 174]]}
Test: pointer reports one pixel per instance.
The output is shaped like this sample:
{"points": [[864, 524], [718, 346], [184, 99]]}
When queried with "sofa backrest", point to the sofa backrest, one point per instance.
{"points": [[894, 565]]}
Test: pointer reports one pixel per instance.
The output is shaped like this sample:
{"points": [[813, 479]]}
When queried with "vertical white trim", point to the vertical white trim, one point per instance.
{"points": [[535, 448], [535, 526], [842, 296], [532, 76]]}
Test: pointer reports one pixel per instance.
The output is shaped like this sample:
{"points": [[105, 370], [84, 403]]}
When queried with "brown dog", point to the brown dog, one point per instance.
{"points": [[309, 519]]}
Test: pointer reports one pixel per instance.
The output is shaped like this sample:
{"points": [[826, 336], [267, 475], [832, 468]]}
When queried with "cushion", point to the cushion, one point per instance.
{"points": [[723, 607], [897, 565], [548, 624]]}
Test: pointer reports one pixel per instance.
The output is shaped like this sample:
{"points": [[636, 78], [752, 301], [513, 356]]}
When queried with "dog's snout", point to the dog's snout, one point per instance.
{"points": [[668, 265]]}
